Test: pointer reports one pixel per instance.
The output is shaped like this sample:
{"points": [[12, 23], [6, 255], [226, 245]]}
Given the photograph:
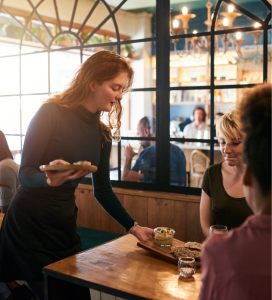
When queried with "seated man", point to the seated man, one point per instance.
{"points": [[145, 166], [191, 130], [237, 265]]}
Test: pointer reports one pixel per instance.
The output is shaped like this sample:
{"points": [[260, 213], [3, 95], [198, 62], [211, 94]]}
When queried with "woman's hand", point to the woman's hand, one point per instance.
{"points": [[143, 233], [58, 178]]}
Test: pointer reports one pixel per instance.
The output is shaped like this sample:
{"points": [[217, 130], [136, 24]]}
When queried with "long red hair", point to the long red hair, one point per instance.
{"points": [[102, 66]]}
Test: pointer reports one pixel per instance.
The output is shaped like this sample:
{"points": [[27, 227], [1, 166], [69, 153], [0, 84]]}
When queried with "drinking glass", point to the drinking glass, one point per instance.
{"points": [[186, 266], [217, 228]]}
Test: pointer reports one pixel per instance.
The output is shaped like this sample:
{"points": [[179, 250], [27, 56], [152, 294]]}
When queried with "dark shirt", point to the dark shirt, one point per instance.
{"points": [[146, 164], [226, 210], [58, 132]]}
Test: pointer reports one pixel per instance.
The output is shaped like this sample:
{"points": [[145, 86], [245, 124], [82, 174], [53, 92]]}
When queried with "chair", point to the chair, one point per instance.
{"points": [[199, 162]]}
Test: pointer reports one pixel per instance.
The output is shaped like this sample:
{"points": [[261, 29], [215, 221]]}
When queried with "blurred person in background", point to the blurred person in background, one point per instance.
{"points": [[8, 174], [8, 186], [145, 166], [237, 265], [192, 130], [223, 200]]}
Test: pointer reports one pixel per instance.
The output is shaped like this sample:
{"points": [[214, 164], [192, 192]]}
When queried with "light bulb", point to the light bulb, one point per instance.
{"points": [[184, 10], [231, 8], [226, 22], [175, 23], [195, 31], [238, 35], [256, 25]]}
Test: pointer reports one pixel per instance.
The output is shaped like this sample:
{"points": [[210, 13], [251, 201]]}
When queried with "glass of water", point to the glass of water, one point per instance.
{"points": [[186, 267], [217, 228]]}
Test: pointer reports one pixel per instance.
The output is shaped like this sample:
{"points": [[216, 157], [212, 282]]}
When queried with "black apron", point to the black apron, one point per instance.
{"points": [[38, 229]]}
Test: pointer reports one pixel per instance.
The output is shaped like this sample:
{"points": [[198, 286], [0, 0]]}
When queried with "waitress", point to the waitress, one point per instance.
{"points": [[39, 227]]}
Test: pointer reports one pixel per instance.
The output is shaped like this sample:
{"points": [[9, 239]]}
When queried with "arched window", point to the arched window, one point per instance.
{"points": [[200, 55]]}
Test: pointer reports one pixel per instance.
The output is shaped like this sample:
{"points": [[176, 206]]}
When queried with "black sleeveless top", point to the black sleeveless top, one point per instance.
{"points": [[226, 210]]}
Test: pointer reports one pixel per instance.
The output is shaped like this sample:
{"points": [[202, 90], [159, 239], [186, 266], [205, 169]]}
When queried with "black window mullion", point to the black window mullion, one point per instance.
{"points": [[162, 103]]}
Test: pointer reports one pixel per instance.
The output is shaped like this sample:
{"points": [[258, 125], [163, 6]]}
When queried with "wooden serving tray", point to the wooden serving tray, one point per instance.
{"points": [[163, 252], [63, 168]]}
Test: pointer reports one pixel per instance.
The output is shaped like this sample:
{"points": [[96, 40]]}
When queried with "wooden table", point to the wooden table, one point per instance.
{"points": [[1, 218], [122, 269]]}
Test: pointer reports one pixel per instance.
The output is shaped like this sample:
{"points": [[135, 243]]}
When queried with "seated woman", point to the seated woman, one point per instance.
{"points": [[8, 174], [222, 199], [237, 265]]}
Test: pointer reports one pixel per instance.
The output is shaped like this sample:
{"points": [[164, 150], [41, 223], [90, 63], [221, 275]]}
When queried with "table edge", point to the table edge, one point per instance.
{"points": [[95, 286]]}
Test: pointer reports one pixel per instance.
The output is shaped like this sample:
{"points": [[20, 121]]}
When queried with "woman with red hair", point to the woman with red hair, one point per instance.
{"points": [[40, 226]]}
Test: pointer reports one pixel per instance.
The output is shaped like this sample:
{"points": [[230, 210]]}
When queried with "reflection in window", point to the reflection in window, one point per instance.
{"points": [[138, 161]]}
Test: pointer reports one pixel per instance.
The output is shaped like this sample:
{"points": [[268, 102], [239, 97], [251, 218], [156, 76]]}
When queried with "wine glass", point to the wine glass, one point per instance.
{"points": [[217, 228]]}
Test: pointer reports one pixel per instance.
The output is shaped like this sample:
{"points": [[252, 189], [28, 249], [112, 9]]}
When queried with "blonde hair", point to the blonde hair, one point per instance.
{"points": [[100, 67], [229, 126]]}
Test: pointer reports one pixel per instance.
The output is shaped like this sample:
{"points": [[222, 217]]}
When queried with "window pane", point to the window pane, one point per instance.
{"points": [[189, 114], [34, 68], [226, 100], [14, 143], [187, 16], [63, 65], [5, 47], [87, 52], [142, 57], [106, 33], [257, 8], [141, 17], [189, 62], [141, 156], [269, 59], [197, 157], [114, 161], [139, 114], [10, 115], [30, 105], [229, 17], [239, 61], [178, 175], [9, 80]]}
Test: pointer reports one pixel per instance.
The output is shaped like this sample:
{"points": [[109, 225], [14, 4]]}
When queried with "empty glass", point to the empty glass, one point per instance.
{"points": [[186, 266], [217, 228]]}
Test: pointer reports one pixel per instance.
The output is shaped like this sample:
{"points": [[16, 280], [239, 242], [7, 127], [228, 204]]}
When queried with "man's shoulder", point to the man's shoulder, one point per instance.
{"points": [[148, 150]]}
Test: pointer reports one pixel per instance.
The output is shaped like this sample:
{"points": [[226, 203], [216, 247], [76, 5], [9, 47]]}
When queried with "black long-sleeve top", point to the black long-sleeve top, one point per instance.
{"points": [[58, 132]]}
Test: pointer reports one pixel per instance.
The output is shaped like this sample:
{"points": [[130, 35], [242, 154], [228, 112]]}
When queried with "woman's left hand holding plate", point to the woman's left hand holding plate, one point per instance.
{"points": [[58, 178]]}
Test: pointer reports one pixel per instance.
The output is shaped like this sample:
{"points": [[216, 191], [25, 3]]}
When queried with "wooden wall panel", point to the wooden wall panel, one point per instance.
{"points": [[88, 210], [107, 223], [180, 217], [161, 213], [193, 228], [136, 207], [180, 212]]}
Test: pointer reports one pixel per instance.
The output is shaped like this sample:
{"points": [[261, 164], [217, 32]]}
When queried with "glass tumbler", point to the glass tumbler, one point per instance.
{"points": [[217, 228], [186, 267]]}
